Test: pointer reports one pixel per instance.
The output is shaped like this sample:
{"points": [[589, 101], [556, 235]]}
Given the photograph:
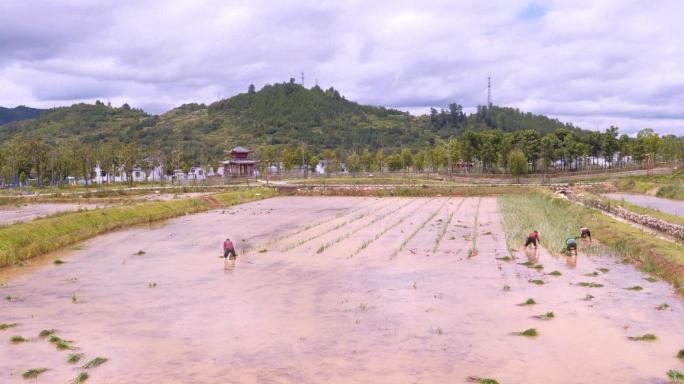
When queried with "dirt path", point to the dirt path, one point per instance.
{"points": [[376, 304]]}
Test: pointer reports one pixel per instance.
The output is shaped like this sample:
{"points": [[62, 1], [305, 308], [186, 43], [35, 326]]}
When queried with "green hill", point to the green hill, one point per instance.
{"points": [[21, 112], [283, 113]]}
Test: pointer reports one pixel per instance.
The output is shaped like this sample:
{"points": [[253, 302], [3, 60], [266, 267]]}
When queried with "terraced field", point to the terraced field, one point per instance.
{"points": [[337, 290]]}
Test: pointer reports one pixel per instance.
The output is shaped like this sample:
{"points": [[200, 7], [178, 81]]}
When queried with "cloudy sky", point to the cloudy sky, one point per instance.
{"points": [[593, 63]]}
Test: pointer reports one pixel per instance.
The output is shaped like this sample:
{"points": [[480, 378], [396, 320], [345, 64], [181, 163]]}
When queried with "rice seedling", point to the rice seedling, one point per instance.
{"points": [[152, 285], [445, 226], [538, 267], [634, 288], [680, 354], [650, 279], [81, 378], [58, 262], [3, 284], [74, 298], [529, 301], [74, 358], [592, 274], [482, 380], [545, 316], [644, 337], [263, 250], [415, 231], [675, 376], [536, 281], [588, 297], [33, 373], [414, 285], [529, 332], [505, 258], [473, 246], [506, 288], [604, 270], [11, 298], [363, 307], [16, 339], [589, 285], [554, 273], [95, 362], [60, 343], [662, 307], [438, 331], [139, 253], [46, 332], [527, 264], [4, 326]]}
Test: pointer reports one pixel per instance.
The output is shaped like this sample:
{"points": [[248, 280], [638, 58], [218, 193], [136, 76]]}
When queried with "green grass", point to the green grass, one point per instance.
{"points": [[592, 274], [505, 258], [74, 358], [46, 332], [4, 326], [675, 376], [18, 339], [545, 316], [24, 240], [556, 219], [588, 297], [61, 344], [662, 307], [554, 273], [604, 270], [58, 262], [529, 332], [33, 373], [81, 378], [645, 337], [96, 362], [536, 281], [589, 285], [482, 380], [650, 279], [634, 288], [529, 301], [680, 354]]}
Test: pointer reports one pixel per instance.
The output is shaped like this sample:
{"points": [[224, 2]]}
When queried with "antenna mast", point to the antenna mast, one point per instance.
{"points": [[489, 91]]}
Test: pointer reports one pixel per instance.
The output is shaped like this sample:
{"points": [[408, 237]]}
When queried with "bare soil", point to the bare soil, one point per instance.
{"points": [[336, 290]]}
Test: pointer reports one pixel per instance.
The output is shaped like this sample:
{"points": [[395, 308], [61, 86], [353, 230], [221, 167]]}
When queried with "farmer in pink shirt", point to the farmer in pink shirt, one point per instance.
{"points": [[229, 248]]}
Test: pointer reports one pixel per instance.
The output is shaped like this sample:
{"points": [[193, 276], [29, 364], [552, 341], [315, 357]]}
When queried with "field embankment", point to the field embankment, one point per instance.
{"points": [[557, 219], [406, 191], [22, 241]]}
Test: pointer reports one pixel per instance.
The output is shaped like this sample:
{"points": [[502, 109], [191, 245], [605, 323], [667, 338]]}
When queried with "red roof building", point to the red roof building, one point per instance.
{"points": [[240, 164]]}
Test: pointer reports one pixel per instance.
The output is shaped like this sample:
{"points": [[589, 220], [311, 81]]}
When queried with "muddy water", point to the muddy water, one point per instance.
{"points": [[674, 207], [13, 214], [363, 290]]}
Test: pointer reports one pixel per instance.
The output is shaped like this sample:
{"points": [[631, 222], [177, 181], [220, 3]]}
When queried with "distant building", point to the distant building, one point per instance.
{"points": [[239, 165]]}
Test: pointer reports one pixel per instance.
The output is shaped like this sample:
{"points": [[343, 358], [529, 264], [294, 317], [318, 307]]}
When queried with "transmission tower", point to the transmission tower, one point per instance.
{"points": [[489, 91]]}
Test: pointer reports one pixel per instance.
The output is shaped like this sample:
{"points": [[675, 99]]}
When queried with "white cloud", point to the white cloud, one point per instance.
{"points": [[591, 63]]}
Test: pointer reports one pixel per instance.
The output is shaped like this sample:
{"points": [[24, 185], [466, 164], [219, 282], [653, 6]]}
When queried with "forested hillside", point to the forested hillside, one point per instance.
{"points": [[283, 113]]}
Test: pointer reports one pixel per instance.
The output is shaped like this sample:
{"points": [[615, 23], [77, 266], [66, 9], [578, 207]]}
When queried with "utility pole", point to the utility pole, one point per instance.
{"points": [[489, 92]]}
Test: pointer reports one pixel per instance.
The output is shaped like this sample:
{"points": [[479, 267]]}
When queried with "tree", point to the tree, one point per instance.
{"points": [[453, 153], [517, 163], [366, 160], [394, 162], [406, 159], [288, 158], [609, 144], [625, 147], [353, 163], [251, 90]]}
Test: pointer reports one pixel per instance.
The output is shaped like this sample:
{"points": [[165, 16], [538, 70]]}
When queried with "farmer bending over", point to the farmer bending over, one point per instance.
{"points": [[571, 245], [533, 238], [229, 248], [585, 233]]}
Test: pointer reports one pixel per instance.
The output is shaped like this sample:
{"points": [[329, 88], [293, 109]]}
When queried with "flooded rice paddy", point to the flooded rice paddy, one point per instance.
{"points": [[674, 207], [12, 214], [336, 290]]}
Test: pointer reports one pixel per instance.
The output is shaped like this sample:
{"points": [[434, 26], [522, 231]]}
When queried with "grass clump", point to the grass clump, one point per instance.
{"points": [[529, 332], [33, 373], [4, 326], [482, 380], [61, 344], [554, 273], [18, 339], [650, 279], [545, 316], [589, 285], [662, 307], [675, 376], [74, 358], [592, 274], [96, 362], [634, 288], [139, 253], [644, 337], [529, 301], [81, 378], [680, 354], [11, 299], [58, 262], [505, 258], [588, 297], [506, 288], [603, 270], [536, 281], [46, 332]]}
